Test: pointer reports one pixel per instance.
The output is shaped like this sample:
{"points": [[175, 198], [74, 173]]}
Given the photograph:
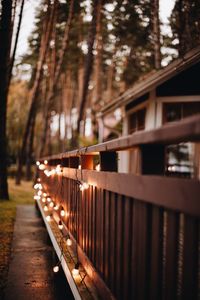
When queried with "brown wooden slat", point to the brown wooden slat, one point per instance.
{"points": [[113, 237], [94, 224], [102, 235], [141, 236], [146, 189], [107, 237], [190, 288], [98, 231], [90, 223], [171, 266], [126, 260], [119, 247], [156, 254]]}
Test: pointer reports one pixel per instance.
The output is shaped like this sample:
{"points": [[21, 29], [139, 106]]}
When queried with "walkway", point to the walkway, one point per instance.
{"points": [[30, 274]]}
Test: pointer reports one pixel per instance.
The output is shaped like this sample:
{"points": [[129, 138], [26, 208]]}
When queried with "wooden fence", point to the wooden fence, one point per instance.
{"points": [[138, 235]]}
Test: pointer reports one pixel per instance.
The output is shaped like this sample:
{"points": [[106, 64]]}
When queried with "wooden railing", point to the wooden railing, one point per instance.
{"points": [[137, 235]]}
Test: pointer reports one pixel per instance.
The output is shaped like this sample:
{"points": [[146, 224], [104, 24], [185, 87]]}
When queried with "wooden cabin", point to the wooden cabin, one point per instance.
{"points": [[160, 97]]}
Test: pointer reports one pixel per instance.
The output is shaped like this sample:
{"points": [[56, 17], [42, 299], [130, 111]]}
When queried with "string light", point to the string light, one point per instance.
{"points": [[69, 242], [36, 197], [46, 162], [37, 163], [41, 167], [79, 167], [56, 207], [58, 169], [39, 193], [62, 212], [44, 194], [44, 200], [48, 218], [98, 167], [60, 225], [56, 269], [51, 204], [48, 199], [83, 186], [46, 208], [75, 271]]}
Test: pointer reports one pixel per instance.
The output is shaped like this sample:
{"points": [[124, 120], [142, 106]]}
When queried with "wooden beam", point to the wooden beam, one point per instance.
{"points": [[186, 130], [163, 191]]}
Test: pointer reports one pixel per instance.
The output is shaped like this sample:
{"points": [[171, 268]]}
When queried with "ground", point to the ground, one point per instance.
{"points": [[22, 194]]}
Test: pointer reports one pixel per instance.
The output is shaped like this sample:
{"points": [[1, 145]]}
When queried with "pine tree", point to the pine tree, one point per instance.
{"points": [[185, 24], [5, 41]]}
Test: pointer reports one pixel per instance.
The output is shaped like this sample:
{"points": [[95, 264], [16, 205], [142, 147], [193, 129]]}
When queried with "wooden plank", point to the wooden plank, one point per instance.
{"points": [[119, 233], [171, 262], [156, 254], [143, 258], [98, 231], [190, 288], [169, 195], [113, 238], [126, 261], [90, 223], [102, 233], [107, 237], [94, 209]]}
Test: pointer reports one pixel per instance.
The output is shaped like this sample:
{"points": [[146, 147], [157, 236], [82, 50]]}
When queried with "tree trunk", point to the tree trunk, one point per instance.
{"points": [[156, 34], [29, 153], [16, 40], [33, 97], [5, 40], [88, 65], [57, 74]]}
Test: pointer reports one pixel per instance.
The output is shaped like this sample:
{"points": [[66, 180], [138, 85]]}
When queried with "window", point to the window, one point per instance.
{"points": [[137, 120], [177, 111]]}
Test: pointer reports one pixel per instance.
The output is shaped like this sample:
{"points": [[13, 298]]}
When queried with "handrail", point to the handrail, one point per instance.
{"points": [[186, 130]]}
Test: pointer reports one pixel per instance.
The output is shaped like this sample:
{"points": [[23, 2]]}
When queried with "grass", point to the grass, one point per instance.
{"points": [[22, 194]]}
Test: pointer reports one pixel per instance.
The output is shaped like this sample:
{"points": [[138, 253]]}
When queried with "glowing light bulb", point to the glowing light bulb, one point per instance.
{"points": [[38, 180], [47, 173], [37, 163], [41, 167], [97, 167], [69, 242], [56, 207], [36, 197], [39, 193], [85, 185], [46, 208], [48, 218], [58, 169], [48, 199], [56, 269], [62, 212], [46, 162], [44, 200], [44, 194], [51, 204], [60, 225], [75, 271], [53, 172], [79, 167], [36, 186]]}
